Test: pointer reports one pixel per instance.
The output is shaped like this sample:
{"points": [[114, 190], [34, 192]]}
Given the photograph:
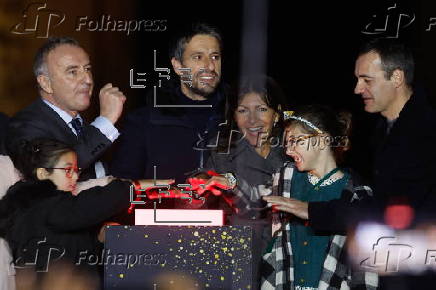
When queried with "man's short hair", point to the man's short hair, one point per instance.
{"points": [[393, 55], [39, 63], [182, 39]]}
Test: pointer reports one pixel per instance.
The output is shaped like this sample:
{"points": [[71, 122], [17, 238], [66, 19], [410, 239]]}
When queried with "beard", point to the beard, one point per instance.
{"points": [[205, 92], [203, 89]]}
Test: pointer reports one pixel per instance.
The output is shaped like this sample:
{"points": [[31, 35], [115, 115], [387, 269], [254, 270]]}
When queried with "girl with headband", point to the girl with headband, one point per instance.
{"points": [[299, 256]]}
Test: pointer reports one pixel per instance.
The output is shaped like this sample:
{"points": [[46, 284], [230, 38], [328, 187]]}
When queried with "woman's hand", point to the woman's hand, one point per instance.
{"points": [[214, 184], [290, 205]]}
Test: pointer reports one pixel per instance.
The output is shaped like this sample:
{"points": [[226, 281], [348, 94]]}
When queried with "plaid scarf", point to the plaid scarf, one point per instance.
{"points": [[247, 199], [277, 264]]}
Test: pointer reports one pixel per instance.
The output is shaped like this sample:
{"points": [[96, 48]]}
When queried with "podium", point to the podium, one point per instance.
{"points": [[177, 257]]}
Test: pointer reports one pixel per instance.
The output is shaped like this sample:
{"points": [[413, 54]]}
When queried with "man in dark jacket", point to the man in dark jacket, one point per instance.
{"points": [[63, 72], [171, 133], [404, 163]]}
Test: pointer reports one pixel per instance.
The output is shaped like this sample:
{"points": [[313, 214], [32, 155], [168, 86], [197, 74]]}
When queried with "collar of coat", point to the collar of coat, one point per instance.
{"points": [[25, 194], [356, 188], [20, 197], [171, 94]]}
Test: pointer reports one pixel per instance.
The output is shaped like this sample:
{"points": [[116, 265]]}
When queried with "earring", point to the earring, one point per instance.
{"points": [[276, 120]]}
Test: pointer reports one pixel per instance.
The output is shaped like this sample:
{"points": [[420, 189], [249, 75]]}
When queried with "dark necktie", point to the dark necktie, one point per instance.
{"points": [[77, 125]]}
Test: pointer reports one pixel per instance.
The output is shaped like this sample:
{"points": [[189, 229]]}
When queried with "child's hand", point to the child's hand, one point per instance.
{"points": [[152, 183], [290, 205]]}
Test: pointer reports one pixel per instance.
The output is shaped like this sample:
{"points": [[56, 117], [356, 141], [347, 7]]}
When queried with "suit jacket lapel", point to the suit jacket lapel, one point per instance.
{"points": [[53, 117]]}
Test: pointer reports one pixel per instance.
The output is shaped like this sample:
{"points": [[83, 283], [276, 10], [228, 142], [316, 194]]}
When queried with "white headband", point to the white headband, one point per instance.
{"points": [[289, 115]]}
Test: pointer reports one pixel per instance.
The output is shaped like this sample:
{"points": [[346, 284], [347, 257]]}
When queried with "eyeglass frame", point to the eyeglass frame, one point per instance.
{"points": [[72, 169]]}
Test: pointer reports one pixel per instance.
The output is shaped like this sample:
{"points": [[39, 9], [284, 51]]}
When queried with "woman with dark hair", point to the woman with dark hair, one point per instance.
{"points": [[249, 148], [299, 256], [44, 223]]}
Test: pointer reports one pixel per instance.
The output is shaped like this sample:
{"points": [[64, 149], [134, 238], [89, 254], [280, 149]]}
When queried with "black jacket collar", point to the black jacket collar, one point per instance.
{"points": [[25, 194]]}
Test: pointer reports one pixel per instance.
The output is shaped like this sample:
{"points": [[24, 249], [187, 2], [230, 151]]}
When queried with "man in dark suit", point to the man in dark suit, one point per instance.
{"points": [[172, 135], [63, 72]]}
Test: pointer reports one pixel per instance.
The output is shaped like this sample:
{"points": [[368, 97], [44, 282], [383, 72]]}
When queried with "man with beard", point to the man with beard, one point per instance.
{"points": [[63, 72], [173, 138]]}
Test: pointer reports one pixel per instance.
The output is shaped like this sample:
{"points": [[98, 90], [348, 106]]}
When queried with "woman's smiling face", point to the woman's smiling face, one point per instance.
{"points": [[255, 119]]}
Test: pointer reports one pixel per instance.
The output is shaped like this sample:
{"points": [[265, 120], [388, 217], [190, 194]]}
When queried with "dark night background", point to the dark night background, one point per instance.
{"points": [[311, 47]]}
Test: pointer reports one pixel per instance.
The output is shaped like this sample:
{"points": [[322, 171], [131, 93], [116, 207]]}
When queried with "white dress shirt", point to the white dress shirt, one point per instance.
{"points": [[101, 123]]}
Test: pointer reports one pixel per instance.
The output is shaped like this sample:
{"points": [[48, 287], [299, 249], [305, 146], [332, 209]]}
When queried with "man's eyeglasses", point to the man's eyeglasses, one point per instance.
{"points": [[69, 170]]}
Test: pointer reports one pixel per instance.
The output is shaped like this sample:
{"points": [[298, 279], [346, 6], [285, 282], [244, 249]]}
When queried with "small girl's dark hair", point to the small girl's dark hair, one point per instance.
{"points": [[337, 124], [37, 153]]}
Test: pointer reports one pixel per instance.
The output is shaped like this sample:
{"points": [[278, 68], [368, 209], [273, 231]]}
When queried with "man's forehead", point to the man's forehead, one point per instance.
{"points": [[203, 43], [369, 58], [66, 54], [368, 62]]}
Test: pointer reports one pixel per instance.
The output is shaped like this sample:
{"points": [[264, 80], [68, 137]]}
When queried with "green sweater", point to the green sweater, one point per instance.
{"points": [[310, 248]]}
